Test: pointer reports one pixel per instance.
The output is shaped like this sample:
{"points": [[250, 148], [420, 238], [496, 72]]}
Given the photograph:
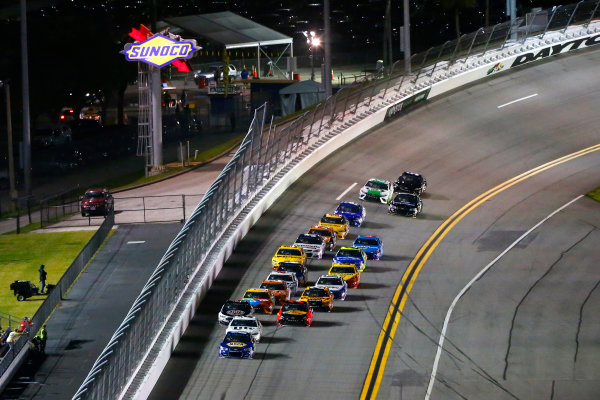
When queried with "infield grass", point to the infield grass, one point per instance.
{"points": [[594, 194], [21, 257]]}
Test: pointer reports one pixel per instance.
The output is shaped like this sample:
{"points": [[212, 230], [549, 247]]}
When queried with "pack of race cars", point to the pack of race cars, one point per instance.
{"points": [[290, 272]]}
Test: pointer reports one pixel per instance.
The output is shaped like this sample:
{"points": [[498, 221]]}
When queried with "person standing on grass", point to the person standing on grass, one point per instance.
{"points": [[43, 275]]}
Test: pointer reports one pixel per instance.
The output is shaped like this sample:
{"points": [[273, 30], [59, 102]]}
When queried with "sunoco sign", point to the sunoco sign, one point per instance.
{"points": [[160, 50]]}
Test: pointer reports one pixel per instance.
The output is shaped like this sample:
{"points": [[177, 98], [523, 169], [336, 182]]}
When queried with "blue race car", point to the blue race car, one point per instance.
{"points": [[237, 345], [371, 245], [354, 213], [351, 255]]}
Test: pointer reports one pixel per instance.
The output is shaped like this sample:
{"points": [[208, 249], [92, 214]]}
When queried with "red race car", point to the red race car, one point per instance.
{"points": [[295, 312]]}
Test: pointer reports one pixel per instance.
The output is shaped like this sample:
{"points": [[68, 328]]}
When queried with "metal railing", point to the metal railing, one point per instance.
{"points": [[55, 295], [128, 210], [265, 155]]}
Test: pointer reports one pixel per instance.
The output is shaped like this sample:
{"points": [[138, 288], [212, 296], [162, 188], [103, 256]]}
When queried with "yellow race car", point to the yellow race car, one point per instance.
{"points": [[338, 223], [318, 297], [288, 254], [348, 272]]}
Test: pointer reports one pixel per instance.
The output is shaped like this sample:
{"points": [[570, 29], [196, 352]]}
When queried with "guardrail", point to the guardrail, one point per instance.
{"points": [[265, 156], [55, 295], [128, 210]]}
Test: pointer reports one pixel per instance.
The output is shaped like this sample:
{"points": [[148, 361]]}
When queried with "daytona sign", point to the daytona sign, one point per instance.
{"points": [[556, 49]]}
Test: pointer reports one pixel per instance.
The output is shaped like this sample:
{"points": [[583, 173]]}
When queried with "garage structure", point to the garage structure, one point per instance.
{"points": [[233, 32]]}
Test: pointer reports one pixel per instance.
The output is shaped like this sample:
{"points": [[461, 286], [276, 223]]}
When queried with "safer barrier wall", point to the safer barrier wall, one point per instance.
{"points": [[269, 160]]}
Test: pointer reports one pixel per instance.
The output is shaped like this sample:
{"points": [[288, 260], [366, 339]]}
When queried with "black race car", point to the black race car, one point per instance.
{"points": [[233, 309], [407, 204], [409, 182]]}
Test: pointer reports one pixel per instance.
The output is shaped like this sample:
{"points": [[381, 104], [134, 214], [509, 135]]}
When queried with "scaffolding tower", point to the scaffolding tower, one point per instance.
{"points": [[144, 145]]}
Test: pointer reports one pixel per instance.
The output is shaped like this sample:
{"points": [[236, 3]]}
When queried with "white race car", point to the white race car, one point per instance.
{"points": [[312, 245], [288, 277], [336, 284], [246, 324], [377, 189]]}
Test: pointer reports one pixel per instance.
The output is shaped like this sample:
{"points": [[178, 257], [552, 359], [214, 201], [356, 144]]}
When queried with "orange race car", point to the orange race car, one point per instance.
{"points": [[327, 233], [280, 290]]}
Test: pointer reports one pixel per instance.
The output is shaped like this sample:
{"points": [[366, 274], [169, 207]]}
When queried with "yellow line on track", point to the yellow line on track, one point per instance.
{"points": [[388, 331]]}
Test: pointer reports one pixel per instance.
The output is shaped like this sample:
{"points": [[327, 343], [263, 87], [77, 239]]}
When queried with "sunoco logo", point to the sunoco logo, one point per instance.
{"points": [[159, 51]]}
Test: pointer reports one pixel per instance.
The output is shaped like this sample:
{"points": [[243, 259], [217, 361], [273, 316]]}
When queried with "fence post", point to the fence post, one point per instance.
{"points": [[143, 206], [488, 40], [571, 17], [592, 16], [183, 202], [453, 58], [508, 32], [471, 45], [550, 21], [438, 58]]}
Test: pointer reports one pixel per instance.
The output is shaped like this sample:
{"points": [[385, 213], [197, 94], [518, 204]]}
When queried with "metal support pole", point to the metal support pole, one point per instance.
{"points": [[26, 117], [327, 49], [507, 34], [438, 58], [407, 56], [571, 17], [592, 16], [550, 21], [183, 205], [471, 45], [488, 40], [157, 149], [11, 162], [528, 30]]}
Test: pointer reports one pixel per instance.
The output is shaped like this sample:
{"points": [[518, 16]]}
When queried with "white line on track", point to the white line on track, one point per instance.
{"points": [[136, 241], [517, 100], [468, 286], [346, 191]]}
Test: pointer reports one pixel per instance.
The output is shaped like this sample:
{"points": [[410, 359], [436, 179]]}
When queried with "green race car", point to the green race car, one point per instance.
{"points": [[377, 189]]}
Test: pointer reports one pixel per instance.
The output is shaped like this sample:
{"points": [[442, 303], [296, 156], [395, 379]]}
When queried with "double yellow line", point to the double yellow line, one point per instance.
{"points": [[386, 336]]}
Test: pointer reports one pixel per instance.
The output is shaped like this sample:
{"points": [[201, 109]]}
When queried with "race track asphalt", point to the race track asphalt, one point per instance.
{"points": [[524, 330]]}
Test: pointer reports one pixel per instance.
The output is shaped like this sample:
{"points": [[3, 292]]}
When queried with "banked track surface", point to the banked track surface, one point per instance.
{"points": [[465, 145]]}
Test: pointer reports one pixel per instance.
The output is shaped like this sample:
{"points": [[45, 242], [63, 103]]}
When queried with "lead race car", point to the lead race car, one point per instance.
{"points": [[377, 189], [410, 182]]}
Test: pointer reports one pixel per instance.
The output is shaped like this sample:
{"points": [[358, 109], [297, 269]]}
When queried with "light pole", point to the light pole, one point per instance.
{"points": [[313, 42], [11, 162], [407, 66]]}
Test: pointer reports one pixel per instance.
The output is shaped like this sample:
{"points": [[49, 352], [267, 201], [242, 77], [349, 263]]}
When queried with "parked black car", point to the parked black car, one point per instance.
{"points": [[410, 182], [407, 204]]}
